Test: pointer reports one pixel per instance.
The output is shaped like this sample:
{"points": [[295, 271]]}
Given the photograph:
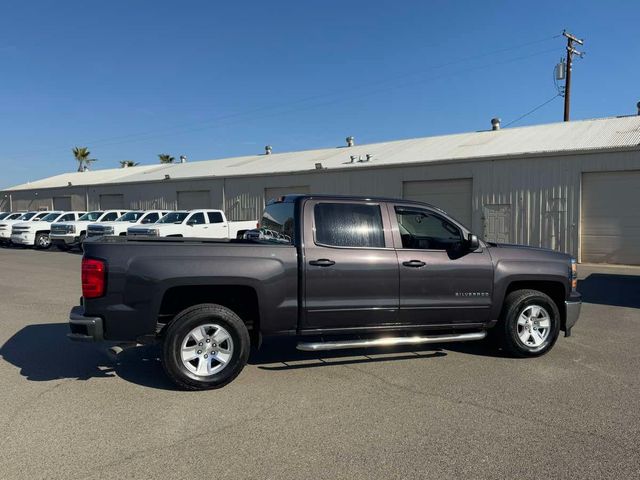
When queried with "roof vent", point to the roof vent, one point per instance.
{"points": [[369, 157], [268, 149], [353, 158], [350, 141], [183, 159], [495, 124], [319, 166], [638, 105]]}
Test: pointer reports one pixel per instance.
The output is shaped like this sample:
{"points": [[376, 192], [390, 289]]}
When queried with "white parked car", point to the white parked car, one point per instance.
{"points": [[35, 233], [7, 225], [120, 225], [66, 235], [194, 223]]}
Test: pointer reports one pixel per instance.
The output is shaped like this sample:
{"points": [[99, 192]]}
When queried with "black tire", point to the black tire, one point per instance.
{"points": [[42, 241], [188, 320], [63, 247], [81, 241], [515, 304]]}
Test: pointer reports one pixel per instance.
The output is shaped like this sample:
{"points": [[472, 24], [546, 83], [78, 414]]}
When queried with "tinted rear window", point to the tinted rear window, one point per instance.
{"points": [[349, 225]]}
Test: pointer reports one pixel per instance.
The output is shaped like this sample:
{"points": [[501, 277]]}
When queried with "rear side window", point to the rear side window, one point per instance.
{"points": [[278, 222], [215, 217], [349, 225]]}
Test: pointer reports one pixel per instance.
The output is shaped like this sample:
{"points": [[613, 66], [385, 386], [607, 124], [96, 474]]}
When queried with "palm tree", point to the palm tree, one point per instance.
{"points": [[128, 163], [82, 156], [165, 158]]}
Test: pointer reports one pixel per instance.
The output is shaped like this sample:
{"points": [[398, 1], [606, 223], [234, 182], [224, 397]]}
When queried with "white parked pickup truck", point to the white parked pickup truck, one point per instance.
{"points": [[194, 223], [36, 232], [120, 225], [65, 235], [7, 225]]}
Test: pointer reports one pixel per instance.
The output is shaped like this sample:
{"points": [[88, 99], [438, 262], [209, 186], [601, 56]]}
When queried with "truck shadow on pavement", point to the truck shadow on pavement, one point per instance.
{"points": [[611, 289], [43, 353]]}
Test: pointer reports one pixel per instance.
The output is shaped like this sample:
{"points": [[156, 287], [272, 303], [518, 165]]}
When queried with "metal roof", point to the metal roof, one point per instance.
{"points": [[575, 136]]}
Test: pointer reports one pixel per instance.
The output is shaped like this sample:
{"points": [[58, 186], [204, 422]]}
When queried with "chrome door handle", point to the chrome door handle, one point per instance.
{"points": [[414, 263], [322, 262]]}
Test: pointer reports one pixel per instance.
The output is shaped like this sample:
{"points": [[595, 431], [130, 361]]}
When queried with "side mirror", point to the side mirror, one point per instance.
{"points": [[473, 243]]}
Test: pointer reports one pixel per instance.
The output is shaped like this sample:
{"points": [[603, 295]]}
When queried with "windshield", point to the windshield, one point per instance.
{"points": [[174, 217], [130, 217], [51, 217], [27, 216], [90, 217]]}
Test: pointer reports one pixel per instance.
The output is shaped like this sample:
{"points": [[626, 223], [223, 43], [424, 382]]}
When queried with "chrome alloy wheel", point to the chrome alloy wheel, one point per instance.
{"points": [[206, 350], [534, 325], [44, 241]]}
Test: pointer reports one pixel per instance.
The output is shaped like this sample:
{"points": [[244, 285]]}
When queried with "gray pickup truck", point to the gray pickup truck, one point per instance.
{"points": [[334, 272]]}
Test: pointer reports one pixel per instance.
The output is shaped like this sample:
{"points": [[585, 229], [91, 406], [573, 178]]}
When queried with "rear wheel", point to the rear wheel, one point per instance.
{"points": [[530, 323], [205, 347], [42, 241]]}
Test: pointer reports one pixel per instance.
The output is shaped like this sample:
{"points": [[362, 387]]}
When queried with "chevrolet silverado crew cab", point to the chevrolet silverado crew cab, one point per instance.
{"points": [[194, 223], [334, 273], [36, 232], [66, 235], [120, 225], [6, 225]]}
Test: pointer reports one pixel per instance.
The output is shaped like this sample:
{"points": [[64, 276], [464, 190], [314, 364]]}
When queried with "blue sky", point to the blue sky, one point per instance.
{"points": [[131, 79]]}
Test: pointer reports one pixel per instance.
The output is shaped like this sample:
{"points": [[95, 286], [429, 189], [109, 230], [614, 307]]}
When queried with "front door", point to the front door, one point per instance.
{"points": [[440, 281], [350, 268]]}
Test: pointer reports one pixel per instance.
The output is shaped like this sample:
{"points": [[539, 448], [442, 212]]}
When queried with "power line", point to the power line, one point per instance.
{"points": [[535, 109], [202, 125]]}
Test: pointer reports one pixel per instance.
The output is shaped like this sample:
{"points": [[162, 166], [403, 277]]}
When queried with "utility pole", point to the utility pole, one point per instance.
{"points": [[567, 82]]}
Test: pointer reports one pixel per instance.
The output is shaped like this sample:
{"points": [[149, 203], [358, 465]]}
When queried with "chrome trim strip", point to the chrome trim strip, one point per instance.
{"points": [[389, 342]]}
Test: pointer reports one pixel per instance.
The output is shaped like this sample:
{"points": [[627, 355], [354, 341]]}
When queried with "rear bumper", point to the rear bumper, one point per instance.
{"points": [[84, 329], [572, 310]]}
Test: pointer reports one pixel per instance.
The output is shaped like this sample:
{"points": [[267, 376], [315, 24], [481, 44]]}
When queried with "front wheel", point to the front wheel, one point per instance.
{"points": [[205, 347], [530, 323], [42, 241]]}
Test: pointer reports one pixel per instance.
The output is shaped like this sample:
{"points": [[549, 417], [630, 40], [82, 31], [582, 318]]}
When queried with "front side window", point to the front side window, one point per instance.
{"points": [[109, 217], [68, 217], [174, 217], [196, 219], [130, 217], [150, 218], [41, 215], [26, 216], [50, 217], [425, 230], [90, 217], [349, 225]]}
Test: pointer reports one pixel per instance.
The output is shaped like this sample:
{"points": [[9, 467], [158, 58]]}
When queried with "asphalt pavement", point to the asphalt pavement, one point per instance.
{"points": [[455, 411]]}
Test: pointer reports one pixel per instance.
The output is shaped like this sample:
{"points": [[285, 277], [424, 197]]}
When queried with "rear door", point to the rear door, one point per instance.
{"points": [[218, 227], [441, 282], [350, 268]]}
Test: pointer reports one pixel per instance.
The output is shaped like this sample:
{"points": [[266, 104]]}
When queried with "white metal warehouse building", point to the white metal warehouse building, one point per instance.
{"points": [[573, 187]]}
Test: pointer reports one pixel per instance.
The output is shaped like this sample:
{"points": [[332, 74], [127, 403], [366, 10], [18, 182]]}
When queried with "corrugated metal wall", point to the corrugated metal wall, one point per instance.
{"points": [[540, 196]]}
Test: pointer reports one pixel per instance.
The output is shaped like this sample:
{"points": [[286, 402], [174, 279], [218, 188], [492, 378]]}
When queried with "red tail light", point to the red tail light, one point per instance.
{"points": [[94, 274]]}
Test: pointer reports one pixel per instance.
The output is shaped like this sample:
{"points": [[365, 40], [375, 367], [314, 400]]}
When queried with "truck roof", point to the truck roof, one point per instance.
{"points": [[294, 197]]}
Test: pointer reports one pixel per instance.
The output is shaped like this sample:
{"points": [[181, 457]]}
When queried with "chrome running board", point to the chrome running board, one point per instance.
{"points": [[389, 341]]}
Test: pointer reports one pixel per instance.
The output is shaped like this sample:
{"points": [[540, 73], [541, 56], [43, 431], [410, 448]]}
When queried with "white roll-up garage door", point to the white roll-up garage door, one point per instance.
{"points": [[610, 223], [190, 200], [452, 196], [275, 192]]}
